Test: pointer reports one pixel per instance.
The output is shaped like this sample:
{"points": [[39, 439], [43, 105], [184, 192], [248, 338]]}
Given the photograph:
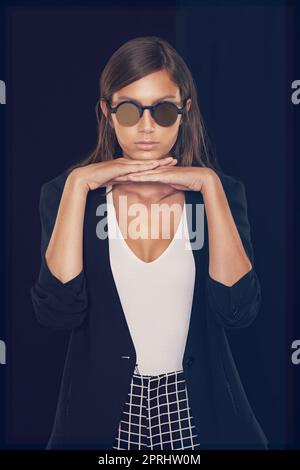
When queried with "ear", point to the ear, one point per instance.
{"points": [[188, 104], [103, 106], [187, 107], [104, 109]]}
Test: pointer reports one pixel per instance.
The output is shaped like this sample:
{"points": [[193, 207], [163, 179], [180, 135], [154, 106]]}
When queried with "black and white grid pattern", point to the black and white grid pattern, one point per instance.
{"points": [[157, 414]]}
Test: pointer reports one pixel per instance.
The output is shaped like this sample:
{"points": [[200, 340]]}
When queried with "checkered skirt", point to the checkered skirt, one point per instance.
{"points": [[157, 414]]}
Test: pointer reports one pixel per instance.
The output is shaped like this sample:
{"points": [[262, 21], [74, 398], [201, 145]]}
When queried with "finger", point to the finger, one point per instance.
{"points": [[146, 172], [167, 162], [128, 169], [155, 171], [115, 181], [147, 166], [155, 165], [179, 186], [118, 179], [152, 163], [146, 177], [143, 162], [166, 165], [159, 169], [159, 163], [172, 163]]}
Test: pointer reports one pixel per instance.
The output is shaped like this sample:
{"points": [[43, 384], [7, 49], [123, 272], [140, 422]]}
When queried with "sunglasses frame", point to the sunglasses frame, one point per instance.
{"points": [[151, 108]]}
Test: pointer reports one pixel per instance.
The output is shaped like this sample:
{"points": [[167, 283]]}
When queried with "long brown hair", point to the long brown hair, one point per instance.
{"points": [[135, 59]]}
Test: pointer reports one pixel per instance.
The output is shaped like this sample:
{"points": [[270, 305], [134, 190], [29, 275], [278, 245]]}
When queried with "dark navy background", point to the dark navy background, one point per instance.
{"points": [[243, 58]]}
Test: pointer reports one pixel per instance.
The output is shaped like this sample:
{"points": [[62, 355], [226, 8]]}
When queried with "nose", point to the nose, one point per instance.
{"points": [[146, 121]]}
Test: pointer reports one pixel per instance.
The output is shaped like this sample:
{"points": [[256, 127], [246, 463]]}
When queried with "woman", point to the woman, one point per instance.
{"points": [[148, 364]]}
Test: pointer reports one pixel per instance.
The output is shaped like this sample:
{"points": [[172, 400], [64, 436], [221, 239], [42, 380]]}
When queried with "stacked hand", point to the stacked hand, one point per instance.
{"points": [[163, 170]]}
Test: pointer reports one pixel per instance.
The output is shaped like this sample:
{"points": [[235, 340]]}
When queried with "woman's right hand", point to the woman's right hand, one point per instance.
{"points": [[97, 175]]}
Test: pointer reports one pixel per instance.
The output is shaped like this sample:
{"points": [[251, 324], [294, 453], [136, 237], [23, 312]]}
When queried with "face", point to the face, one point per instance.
{"points": [[149, 89]]}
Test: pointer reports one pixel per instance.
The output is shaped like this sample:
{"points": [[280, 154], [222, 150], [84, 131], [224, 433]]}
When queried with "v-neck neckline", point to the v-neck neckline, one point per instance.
{"points": [[128, 249]]}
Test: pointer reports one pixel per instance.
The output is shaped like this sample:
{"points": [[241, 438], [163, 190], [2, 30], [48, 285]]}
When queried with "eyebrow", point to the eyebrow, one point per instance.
{"points": [[133, 99]]}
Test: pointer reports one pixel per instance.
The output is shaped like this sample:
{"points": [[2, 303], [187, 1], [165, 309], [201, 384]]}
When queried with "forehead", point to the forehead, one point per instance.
{"points": [[151, 87]]}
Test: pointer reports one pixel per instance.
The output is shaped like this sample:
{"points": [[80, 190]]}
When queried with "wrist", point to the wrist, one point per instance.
{"points": [[76, 182], [210, 183]]}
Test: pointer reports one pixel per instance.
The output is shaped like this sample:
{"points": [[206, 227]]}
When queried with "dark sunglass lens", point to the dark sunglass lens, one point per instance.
{"points": [[165, 114], [127, 114]]}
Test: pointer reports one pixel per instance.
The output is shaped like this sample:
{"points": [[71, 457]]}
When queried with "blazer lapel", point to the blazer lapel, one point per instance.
{"points": [[197, 223]]}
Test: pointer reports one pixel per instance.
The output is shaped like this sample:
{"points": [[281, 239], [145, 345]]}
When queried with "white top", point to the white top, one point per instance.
{"points": [[156, 297]]}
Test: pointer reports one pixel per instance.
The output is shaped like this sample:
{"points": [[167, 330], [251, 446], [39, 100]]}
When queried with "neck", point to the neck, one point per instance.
{"points": [[147, 191]]}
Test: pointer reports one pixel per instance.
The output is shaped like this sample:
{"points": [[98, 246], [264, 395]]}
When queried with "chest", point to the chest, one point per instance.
{"points": [[148, 229]]}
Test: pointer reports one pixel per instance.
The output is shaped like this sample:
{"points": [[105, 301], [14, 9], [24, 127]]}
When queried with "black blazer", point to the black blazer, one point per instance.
{"points": [[101, 356]]}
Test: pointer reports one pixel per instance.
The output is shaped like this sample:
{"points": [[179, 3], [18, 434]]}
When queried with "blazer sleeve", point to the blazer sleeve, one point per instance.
{"points": [[56, 304], [236, 306]]}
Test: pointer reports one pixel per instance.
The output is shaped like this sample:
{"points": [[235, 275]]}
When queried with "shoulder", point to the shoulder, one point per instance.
{"points": [[233, 186], [58, 182], [51, 192], [228, 181]]}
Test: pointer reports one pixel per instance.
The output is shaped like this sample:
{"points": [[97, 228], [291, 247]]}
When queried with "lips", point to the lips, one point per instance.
{"points": [[146, 146]]}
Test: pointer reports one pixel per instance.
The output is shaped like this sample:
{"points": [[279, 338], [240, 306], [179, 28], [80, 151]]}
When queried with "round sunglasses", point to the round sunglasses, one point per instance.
{"points": [[164, 113]]}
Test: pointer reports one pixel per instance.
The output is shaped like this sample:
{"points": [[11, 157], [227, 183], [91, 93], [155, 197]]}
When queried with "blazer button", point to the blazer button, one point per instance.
{"points": [[235, 309]]}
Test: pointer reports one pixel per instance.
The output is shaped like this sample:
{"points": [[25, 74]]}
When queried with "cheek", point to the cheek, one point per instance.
{"points": [[171, 135], [125, 135]]}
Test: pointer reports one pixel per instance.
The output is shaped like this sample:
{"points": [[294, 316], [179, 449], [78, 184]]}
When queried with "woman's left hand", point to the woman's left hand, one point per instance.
{"points": [[186, 178]]}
